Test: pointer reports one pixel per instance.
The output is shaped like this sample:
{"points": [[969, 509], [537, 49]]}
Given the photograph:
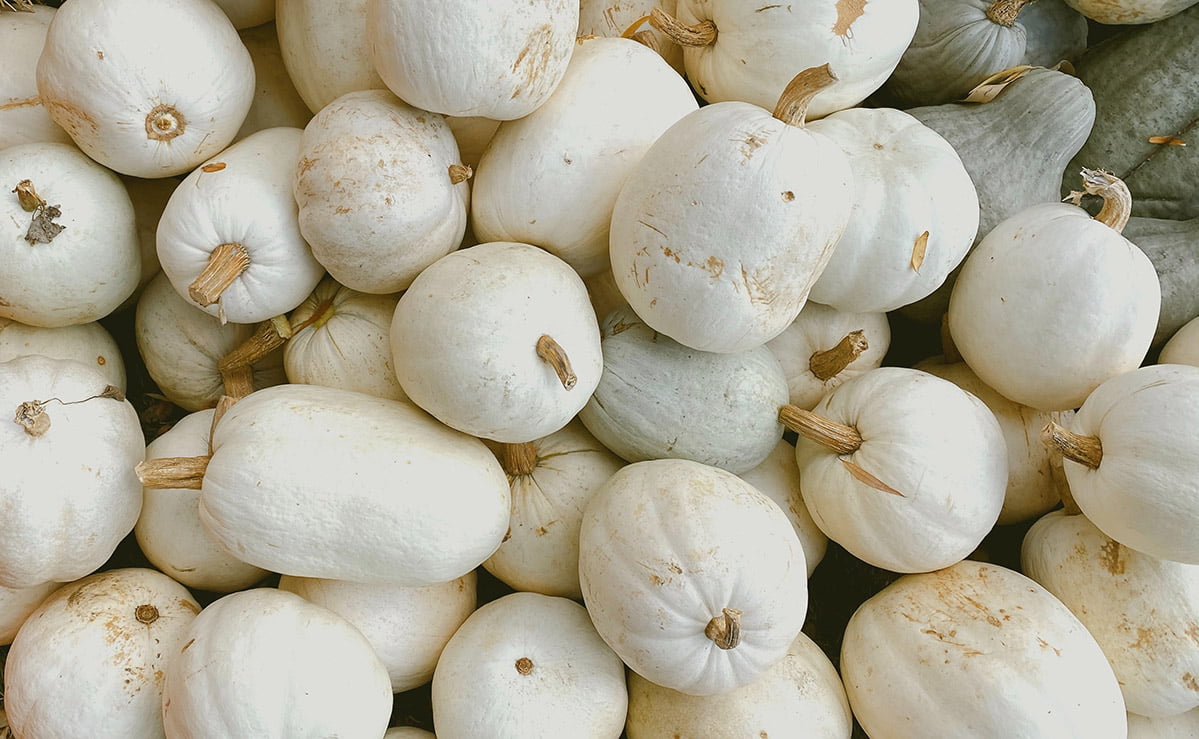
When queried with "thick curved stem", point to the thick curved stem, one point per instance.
{"points": [[792, 106], [829, 363], [1004, 12], [1117, 200], [172, 473], [1085, 450], [555, 356], [701, 34], [837, 437]]}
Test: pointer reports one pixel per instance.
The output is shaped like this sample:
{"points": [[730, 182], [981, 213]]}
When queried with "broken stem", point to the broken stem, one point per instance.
{"points": [[829, 363], [701, 34], [1085, 450], [172, 473], [554, 355], [837, 437], [225, 264]]}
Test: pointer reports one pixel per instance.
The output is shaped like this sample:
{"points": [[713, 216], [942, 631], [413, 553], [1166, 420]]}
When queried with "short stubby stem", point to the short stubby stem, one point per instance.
{"points": [[164, 123], [1005, 12], [725, 629], [518, 459], [1085, 450], [172, 473], [827, 364], [225, 264]]}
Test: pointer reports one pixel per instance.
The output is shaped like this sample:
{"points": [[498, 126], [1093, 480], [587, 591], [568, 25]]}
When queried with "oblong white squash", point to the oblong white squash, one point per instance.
{"points": [[87, 343], [674, 585], [324, 49], [23, 118], [149, 88]]}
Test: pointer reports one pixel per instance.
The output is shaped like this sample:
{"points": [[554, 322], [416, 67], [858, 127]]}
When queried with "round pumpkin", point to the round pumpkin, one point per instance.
{"points": [[276, 102], [777, 477], [1183, 346], [23, 117], [324, 49], [87, 343]]}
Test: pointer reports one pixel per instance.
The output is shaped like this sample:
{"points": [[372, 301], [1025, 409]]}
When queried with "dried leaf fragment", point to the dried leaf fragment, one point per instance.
{"points": [[918, 250], [214, 167], [870, 480], [42, 228], [1167, 140], [989, 89]]}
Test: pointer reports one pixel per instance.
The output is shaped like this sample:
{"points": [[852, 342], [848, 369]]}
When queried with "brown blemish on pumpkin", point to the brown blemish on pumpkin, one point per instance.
{"points": [[187, 646], [669, 254], [788, 196], [101, 361], [1190, 682], [306, 164], [948, 638], [674, 568], [146, 614], [213, 167], [1046, 645], [534, 58], [750, 144], [1111, 556], [848, 11], [21, 103], [72, 118], [524, 665], [760, 10]]}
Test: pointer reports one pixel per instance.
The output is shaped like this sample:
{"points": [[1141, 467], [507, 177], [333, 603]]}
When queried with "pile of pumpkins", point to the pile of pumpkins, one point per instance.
{"points": [[594, 300]]}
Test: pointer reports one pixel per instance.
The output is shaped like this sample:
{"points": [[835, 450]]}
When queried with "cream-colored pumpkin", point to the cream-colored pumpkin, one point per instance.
{"points": [[342, 340], [498, 341], [88, 343], [615, 100], [676, 587], [777, 477], [1183, 346], [23, 118], [1130, 453], [69, 245], [800, 696], [1143, 611], [1182, 726], [381, 191], [517, 52], [552, 479], [529, 665], [610, 18], [735, 50], [182, 348], [229, 239], [724, 225], [267, 663], [69, 491], [248, 13], [17, 603], [169, 531], [823, 347], [1129, 12], [473, 134], [276, 102], [915, 212], [149, 198], [93, 655], [987, 640], [899, 450], [407, 627], [149, 88], [1053, 302], [324, 48]]}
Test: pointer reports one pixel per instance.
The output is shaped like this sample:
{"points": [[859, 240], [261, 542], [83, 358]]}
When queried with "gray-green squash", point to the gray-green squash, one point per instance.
{"points": [[1173, 247]]}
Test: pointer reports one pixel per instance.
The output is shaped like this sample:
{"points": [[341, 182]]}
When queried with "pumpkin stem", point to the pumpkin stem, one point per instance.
{"points": [[146, 614], [42, 228], [1117, 200], [632, 30], [829, 363], [649, 40], [27, 196], [236, 366], [172, 473], [524, 665], [21, 6], [725, 629], [949, 348], [225, 264], [554, 355], [31, 415], [238, 382], [1085, 450], [460, 173], [164, 123], [518, 459], [837, 437], [792, 107], [701, 34], [222, 407], [1004, 12]]}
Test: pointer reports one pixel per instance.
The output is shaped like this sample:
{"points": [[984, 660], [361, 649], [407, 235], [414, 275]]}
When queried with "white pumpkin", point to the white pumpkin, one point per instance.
{"points": [[69, 491], [407, 627], [728, 219], [324, 48], [991, 643], [149, 198], [734, 50], [267, 663], [615, 100], [69, 245], [1130, 452], [276, 102], [88, 343], [229, 239], [17, 603], [23, 118], [1183, 346], [1143, 611], [497, 59], [169, 532], [473, 134], [627, 18], [320, 482], [248, 13], [529, 665], [777, 477], [899, 450], [800, 696], [381, 191], [1182, 726], [341, 339], [498, 341], [1128, 12], [551, 479], [823, 347], [674, 585], [1053, 302], [149, 88], [915, 212], [93, 655]]}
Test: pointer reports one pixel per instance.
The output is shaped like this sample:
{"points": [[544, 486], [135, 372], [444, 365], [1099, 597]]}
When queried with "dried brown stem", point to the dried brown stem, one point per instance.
{"points": [[267, 337], [829, 363], [701, 34], [460, 173], [725, 629], [27, 196], [836, 437], [1117, 200], [146, 614], [792, 106], [1004, 12], [1085, 450], [554, 355], [225, 264], [524, 665], [172, 473], [238, 381], [518, 459]]}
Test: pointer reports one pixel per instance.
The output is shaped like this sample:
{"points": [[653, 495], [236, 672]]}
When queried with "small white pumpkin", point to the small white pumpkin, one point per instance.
{"points": [[69, 245], [23, 118], [93, 655], [88, 343], [17, 603], [1129, 12], [497, 59], [149, 198], [69, 491], [229, 239], [529, 665], [324, 48], [276, 102], [267, 663], [381, 191], [149, 88], [674, 585], [1183, 346], [407, 627], [625, 18], [777, 477], [498, 341]]}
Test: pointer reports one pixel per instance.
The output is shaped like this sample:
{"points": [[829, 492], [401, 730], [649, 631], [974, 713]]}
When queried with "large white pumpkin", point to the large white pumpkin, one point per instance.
{"points": [[324, 48]]}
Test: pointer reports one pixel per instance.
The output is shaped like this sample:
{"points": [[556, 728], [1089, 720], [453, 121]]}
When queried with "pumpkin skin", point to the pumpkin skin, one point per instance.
{"points": [[473, 134], [17, 603], [655, 599], [1182, 726], [407, 627], [276, 102], [778, 479], [149, 198], [946, 635], [248, 13], [801, 695], [610, 18], [268, 663], [615, 100], [1141, 610], [1183, 347], [528, 665], [146, 104], [408, 732], [941, 458], [324, 49], [82, 272], [70, 493], [93, 654], [1170, 246], [375, 226], [87, 343], [23, 118], [518, 53], [1128, 12]]}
